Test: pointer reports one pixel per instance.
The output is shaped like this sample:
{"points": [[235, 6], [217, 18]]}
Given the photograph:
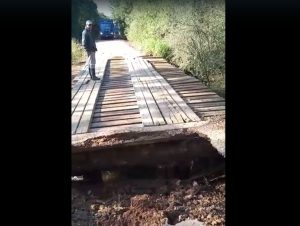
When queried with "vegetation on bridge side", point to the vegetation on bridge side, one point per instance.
{"points": [[190, 34], [78, 53]]}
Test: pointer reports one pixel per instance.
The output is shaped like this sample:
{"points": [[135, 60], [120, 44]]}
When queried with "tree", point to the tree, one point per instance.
{"points": [[83, 10]]}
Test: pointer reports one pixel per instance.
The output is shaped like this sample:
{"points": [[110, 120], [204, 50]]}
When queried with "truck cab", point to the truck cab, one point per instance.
{"points": [[106, 29]]}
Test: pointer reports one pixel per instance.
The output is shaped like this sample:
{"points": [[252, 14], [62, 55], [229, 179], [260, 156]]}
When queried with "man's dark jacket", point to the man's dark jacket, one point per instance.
{"points": [[88, 41]]}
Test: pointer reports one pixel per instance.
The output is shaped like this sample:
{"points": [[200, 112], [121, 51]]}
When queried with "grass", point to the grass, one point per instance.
{"points": [[78, 54]]}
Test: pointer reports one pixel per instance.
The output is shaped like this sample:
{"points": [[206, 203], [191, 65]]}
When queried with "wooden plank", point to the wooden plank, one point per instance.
{"points": [[188, 111], [76, 116], [113, 113], [116, 117], [88, 111], [114, 128], [200, 97], [123, 77], [167, 110], [184, 78], [114, 99], [191, 87], [153, 102], [127, 93], [179, 78], [89, 108], [79, 79], [117, 83], [116, 109], [118, 101], [198, 94], [171, 73], [83, 79], [117, 90], [147, 119], [200, 109], [117, 80], [81, 72], [172, 108], [120, 86], [193, 93], [117, 123], [188, 86], [175, 106], [106, 100], [208, 100], [77, 97], [146, 115], [119, 76], [116, 105], [112, 96], [208, 104], [185, 83], [118, 73], [212, 113]]}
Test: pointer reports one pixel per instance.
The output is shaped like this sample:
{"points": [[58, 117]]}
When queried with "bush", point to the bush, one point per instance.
{"points": [[78, 53], [189, 34], [162, 49]]}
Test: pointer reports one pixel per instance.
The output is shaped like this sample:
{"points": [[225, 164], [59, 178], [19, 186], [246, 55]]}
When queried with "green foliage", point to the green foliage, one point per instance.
{"points": [[190, 33], [77, 52], [120, 13], [83, 10], [162, 49]]}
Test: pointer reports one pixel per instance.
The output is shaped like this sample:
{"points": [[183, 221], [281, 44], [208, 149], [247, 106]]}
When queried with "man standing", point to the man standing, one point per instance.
{"points": [[89, 45]]}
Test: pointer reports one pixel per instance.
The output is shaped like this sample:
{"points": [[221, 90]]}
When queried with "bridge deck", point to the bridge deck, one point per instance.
{"points": [[138, 93], [202, 100]]}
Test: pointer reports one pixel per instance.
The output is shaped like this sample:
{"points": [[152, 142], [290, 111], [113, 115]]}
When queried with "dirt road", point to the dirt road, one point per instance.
{"points": [[109, 49], [113, 48]]}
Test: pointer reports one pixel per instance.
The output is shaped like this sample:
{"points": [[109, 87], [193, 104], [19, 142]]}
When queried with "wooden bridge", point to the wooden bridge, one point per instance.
{"points": [[143, 95]]}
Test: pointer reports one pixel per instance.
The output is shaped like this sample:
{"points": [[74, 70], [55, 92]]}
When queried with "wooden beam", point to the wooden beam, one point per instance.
{"points": [[188, 111]]}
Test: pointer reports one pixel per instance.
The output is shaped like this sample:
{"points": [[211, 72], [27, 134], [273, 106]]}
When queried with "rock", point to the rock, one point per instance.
{"points": [[187, 197], [182, 217], [179, 208], [94, 207], [141, 201], [190, 223]]}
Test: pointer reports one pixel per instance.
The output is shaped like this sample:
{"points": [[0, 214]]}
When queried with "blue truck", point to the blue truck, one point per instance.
{"points": [[106, 29]]}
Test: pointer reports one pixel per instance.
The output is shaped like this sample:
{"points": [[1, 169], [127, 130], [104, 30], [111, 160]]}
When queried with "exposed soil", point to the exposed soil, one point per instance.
{"points": [[149, 202]]}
